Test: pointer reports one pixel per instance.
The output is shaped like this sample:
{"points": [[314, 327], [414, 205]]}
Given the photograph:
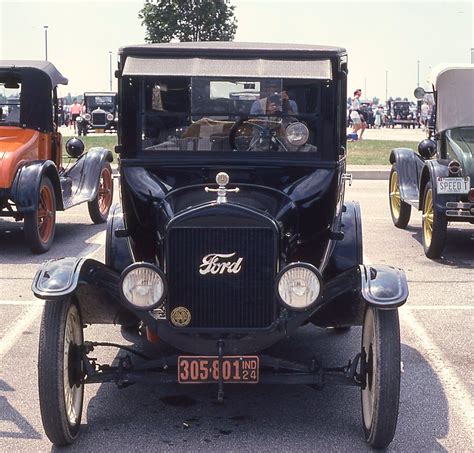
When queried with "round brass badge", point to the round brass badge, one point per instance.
{"points": [[180, 316]]}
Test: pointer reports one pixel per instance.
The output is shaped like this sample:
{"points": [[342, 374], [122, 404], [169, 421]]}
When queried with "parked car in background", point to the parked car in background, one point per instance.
{"points": [[399, 112], [439, 179], [233, 232], [33, 182], [100, 113]]}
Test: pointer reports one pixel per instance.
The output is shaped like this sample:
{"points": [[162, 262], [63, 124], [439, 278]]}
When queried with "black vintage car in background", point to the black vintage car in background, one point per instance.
{"points": [[439, 179], [232, 233], [399, 112], [100, 113]]}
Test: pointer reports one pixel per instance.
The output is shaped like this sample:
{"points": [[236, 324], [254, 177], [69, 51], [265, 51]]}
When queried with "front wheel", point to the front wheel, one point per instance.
{"points": [[60, 371], [40, 224], [434, 225], [381, 367], [99, 207], [399, 210]]}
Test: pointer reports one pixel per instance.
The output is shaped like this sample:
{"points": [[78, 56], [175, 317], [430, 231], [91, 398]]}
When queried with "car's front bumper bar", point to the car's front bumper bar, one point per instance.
{"points": [[460, 210]]}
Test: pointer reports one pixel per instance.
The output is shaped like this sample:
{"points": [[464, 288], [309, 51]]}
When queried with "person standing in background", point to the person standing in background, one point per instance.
{"points": [[76, 110], [358, 120]]}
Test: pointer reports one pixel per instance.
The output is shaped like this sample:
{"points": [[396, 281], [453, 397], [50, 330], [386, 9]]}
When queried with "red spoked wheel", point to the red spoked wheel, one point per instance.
{"points": [[40, 224], [99, 207]]}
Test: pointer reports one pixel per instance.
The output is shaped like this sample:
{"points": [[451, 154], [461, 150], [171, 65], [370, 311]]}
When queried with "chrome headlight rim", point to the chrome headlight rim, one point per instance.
{"points": [[308, 266], [153, 267], [110, 117], [293, 125], [87, 116]]}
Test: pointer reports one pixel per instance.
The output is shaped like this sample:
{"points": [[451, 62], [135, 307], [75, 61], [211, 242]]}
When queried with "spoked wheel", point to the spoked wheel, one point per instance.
{"points": [[60, 371], [434, 226], [381, 349], [39, 225], [399, 210], [99, 207]]}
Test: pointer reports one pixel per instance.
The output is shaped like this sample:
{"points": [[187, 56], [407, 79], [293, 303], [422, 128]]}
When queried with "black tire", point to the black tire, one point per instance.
{"points": [[99, 207], [61, 416], [380, 396], [40, 225], [434, 225], [399, 210]]}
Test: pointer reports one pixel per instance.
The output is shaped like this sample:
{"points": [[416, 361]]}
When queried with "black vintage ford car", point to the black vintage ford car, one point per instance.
{"points": [[233, 232], [100, 113]]}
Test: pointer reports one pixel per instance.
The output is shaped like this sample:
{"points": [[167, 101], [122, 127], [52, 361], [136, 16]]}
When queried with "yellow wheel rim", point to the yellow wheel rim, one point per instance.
{"points": [[395, 200], [428, 215]]}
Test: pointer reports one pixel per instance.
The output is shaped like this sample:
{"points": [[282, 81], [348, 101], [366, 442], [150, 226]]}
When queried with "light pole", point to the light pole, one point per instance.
{"points": [[386, 86], [110, 70], [418, 73], [45, 42]]}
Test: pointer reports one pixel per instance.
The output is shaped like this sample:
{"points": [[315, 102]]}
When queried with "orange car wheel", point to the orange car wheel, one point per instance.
{"points": [[40, 224], [99, 207]]}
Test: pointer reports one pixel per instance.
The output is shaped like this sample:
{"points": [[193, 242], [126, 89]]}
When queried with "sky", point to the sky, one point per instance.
{"points": [[385, 40]]}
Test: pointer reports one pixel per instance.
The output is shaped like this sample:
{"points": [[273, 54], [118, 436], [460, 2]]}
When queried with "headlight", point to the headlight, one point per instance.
{"points": [[87, 116], [110, 117], [143, 286], [299, 286], [297, 133], [79, 119]]}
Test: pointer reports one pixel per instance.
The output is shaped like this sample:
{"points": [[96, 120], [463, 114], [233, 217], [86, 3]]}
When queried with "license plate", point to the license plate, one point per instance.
{"points": [[205, 369], [453, 185]]}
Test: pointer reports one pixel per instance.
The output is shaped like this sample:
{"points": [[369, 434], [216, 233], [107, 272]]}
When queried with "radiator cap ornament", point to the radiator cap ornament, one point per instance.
{"points": [[222, 179]]}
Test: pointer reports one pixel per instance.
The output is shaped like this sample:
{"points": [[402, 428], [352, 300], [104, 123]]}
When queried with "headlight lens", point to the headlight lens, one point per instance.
{"points": [[79, 119], [110, 117], [143, 285], [299, 286], [87, 116], [297, 133]]}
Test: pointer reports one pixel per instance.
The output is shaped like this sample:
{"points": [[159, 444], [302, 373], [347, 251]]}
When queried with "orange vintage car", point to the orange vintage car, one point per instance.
{"points": [[33, 182]]}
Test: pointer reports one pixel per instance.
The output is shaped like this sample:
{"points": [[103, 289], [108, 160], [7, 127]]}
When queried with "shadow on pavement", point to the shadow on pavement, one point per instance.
{"points": [[265, 418], [70, 239], [459, 249], [12, 424]]}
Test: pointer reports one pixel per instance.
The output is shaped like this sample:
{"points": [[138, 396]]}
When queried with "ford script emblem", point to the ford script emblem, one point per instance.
{"points": [[220, 263]]}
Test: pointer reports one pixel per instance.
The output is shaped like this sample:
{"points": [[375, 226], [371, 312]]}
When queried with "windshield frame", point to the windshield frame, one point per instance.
{"points": [[131, 106]]}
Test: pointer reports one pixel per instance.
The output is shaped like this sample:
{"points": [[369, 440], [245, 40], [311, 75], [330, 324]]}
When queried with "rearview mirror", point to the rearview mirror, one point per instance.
{"points": [[11, 84], [427, 148]]}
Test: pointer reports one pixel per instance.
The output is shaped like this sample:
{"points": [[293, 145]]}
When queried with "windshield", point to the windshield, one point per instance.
{"points": [[220, 114], [10, 102], [106, 103], [463, 137]]}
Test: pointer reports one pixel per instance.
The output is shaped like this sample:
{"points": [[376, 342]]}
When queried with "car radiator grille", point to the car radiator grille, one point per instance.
{"points": [[99, 119], [229, 300]]}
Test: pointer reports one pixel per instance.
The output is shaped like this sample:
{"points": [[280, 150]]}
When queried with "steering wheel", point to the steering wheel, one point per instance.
{"points": [[264, 133]]}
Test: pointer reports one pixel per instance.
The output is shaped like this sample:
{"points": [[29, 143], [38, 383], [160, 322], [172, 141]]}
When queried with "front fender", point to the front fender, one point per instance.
{"points": [[384, 287], [409, 165], [25, 187], [433, 170], [94, 286], [85, 174]]}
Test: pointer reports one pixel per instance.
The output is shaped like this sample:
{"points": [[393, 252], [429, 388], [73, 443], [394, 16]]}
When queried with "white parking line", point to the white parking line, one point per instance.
{"points": [[13, 334], [23, 303], [457, 394], [441, 307]]}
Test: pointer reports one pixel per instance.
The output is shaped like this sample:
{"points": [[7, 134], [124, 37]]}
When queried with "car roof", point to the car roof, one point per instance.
{"points": [[46, 67], [230, 49], [454, 85], [229, 59]]}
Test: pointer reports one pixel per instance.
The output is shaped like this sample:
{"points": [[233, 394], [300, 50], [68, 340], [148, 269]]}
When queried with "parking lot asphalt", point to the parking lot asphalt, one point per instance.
{"points": [[436, 411]]}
